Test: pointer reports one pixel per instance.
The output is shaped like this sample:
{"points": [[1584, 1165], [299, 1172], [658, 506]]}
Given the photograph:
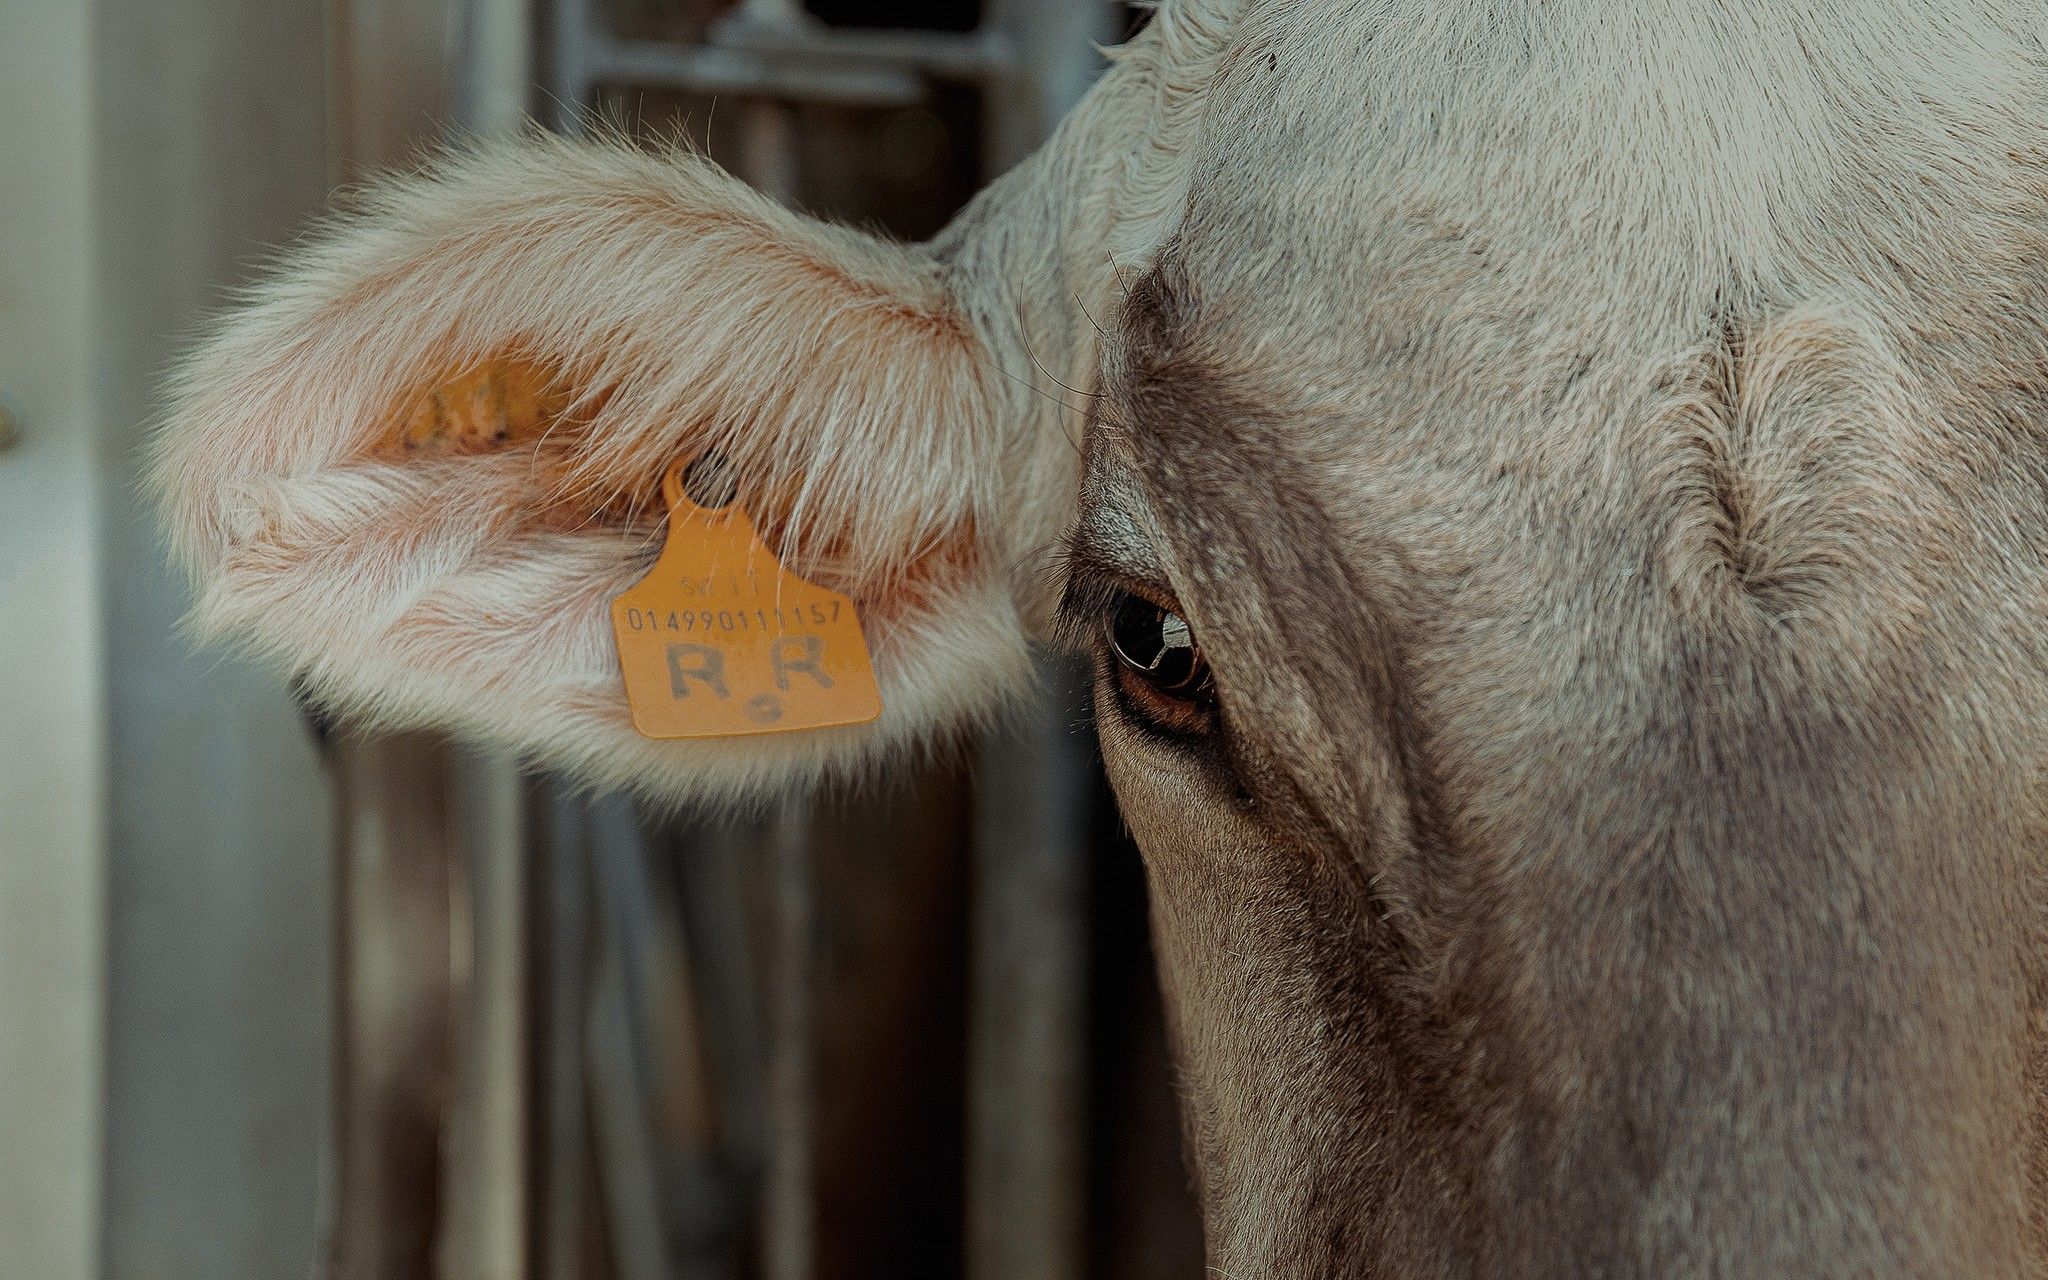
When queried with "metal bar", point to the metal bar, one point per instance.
{"points": [[668, 1215], [572, 28], [941, 55], [563, 1091], [1049, 60], [711, 893], [392, 999], [701, 1205], [1027, 1048], [709, 70], [492, 82], [615, 1044], [395, 939], [749, 55], [790, 1208], [488, 1230]]}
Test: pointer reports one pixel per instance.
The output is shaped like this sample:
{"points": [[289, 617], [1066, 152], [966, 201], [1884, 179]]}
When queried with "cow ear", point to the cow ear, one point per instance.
{"points": [[419, 463]]}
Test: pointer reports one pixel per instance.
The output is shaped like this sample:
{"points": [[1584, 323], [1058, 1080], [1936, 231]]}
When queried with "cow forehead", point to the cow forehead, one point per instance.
{"points": [[1357, 229], [1485, 235], [1455, 312], [1617, 157]]}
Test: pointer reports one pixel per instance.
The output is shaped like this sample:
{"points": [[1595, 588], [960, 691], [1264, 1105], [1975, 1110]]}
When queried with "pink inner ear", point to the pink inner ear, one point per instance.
{"points": [[497, 403], [515, 403], [512, 403]]}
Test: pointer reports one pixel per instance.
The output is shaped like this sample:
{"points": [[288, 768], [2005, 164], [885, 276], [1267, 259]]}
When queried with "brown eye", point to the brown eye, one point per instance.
{"points": [[1160, 668]]}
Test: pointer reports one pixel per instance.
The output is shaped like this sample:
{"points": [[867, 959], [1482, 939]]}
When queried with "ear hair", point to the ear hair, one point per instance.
{"points": [[414, 467], [833, 371]]}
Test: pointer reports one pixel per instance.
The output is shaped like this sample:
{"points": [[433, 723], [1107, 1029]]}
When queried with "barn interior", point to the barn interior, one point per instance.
{"points": [[280, 998]]}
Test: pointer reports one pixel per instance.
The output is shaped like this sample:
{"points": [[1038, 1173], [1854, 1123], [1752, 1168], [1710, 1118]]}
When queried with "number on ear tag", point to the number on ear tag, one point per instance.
{"points": [[721, 640]]}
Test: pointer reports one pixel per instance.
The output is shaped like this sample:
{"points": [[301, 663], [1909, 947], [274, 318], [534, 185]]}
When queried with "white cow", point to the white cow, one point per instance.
{"points": [[1560, 512]]}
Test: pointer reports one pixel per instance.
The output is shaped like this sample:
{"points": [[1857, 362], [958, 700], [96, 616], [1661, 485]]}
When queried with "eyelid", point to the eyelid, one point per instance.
{"points": [[1094, 585]]}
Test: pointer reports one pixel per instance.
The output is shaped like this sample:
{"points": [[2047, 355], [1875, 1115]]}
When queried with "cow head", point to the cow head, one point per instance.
{"points": [[1557, 511]]}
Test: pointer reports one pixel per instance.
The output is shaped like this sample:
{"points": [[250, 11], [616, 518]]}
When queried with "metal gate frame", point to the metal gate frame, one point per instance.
{"points": [[498, 929]]}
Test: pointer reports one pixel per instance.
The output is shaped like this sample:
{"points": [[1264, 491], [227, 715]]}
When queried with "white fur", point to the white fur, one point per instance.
{"points": [[879, 397]]}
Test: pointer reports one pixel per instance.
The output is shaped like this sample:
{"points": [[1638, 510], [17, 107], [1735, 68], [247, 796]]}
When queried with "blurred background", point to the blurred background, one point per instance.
{"points": [[281, 1000]]}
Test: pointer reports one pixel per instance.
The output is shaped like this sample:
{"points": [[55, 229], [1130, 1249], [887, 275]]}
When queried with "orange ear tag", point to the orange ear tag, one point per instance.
{"points": [[721, 640]]}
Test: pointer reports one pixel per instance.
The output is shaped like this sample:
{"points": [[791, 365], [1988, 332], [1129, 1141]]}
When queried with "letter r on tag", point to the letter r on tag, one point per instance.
{"points": [[799, 653], [700, 662]]}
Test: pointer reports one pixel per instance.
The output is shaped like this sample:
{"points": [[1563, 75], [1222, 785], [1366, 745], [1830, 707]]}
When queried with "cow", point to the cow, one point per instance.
{"points": [[1556, 497]]}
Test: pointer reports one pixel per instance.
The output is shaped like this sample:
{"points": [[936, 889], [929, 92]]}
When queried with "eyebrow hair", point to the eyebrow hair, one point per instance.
{"points": [[1096, 572], [1114, 536], [1114, 549], [1111, 550]]}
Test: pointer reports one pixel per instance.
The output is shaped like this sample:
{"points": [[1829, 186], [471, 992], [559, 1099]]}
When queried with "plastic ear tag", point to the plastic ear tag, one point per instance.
{"points": [[721, 640]]}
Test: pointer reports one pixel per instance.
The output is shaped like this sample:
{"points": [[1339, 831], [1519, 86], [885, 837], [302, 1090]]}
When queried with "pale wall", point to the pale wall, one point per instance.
{"points": [[164, 824], [52, 768], [210, 133]]}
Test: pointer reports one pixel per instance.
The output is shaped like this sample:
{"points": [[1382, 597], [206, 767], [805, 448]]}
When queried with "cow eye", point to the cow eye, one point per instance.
{"points": [[1160, 670]]}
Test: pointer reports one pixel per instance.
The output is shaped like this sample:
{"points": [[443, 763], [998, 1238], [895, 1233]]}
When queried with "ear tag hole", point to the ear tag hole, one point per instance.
{"points": [[707, 481], [720, 640]]}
